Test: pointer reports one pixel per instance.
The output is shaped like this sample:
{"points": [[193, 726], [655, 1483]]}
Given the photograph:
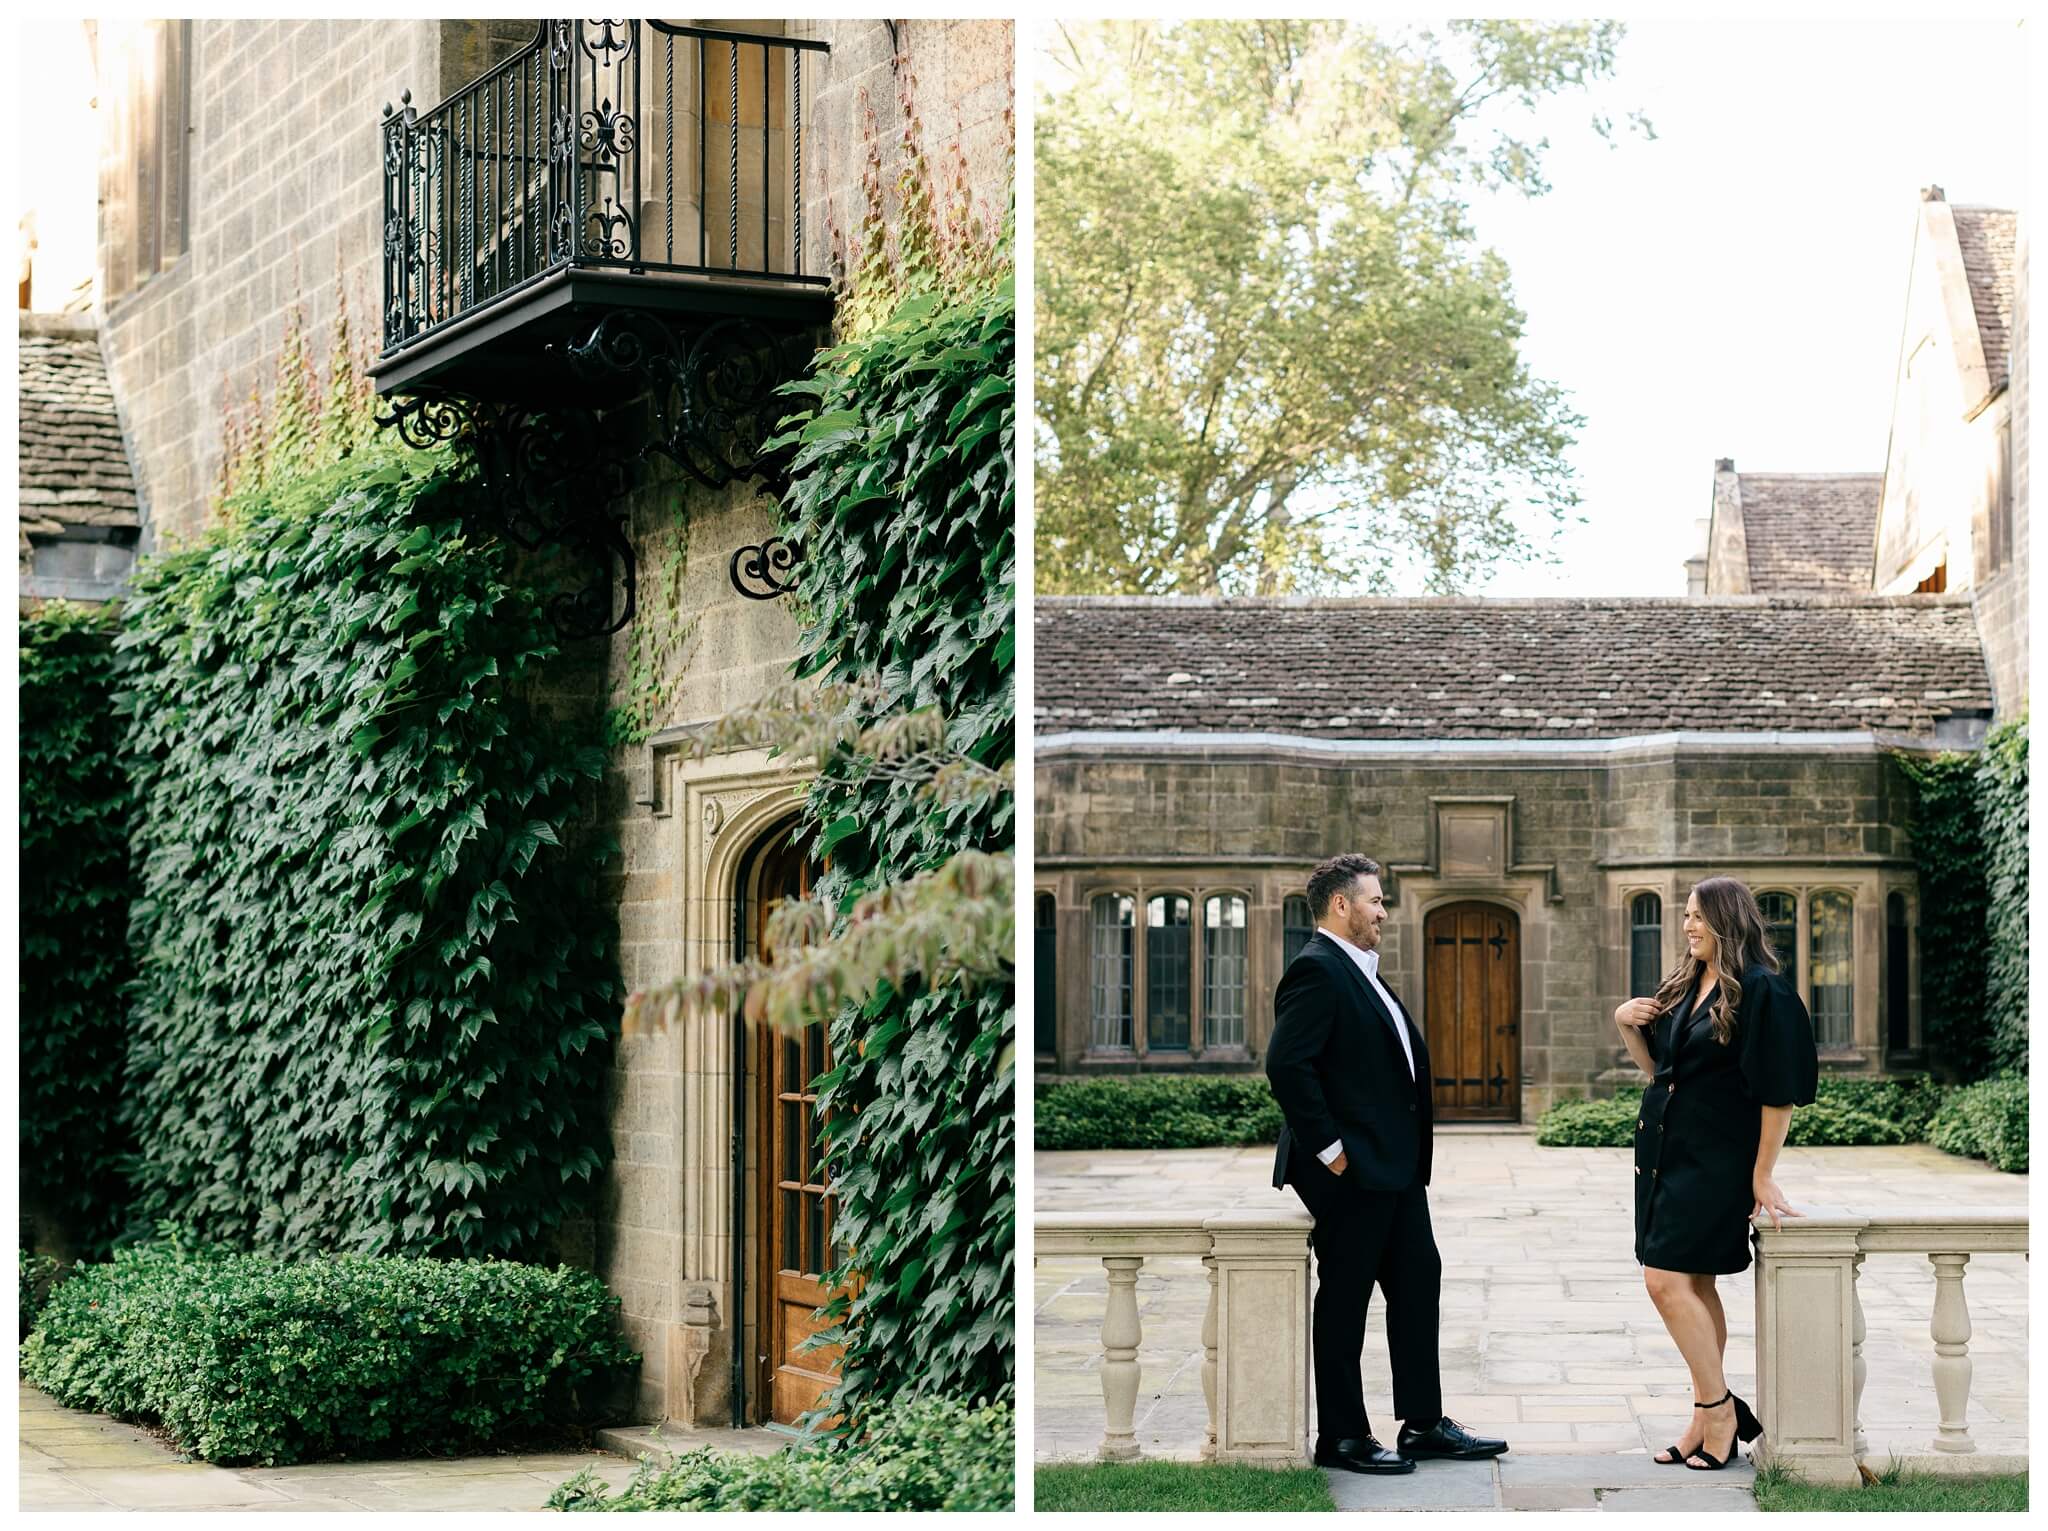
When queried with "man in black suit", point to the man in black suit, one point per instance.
{"points": [[1351, 1073]]}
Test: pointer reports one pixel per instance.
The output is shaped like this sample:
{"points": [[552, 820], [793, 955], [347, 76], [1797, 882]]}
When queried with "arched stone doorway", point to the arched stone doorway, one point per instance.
{"points": [[788, 1203], [1472, 1002]]}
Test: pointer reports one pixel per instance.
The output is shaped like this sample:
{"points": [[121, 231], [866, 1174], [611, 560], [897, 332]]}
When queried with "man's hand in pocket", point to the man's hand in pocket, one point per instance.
{"points": [[1338, 1164]]}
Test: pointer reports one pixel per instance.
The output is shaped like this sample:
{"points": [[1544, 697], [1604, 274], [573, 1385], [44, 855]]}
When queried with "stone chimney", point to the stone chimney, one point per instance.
{"points": [[1727, 557]]}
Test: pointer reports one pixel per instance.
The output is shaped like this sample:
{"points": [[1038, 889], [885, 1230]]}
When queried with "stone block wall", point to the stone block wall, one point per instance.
{"points": [[287, 205], [1586, 832]]}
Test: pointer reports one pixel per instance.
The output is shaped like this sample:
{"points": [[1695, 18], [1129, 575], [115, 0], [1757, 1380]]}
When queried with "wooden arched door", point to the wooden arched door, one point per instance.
{"points": [[1472, 1003], [794, 1202]]}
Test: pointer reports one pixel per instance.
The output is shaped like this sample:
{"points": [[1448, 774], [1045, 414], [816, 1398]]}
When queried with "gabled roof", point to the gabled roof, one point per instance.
{"points": [[74, 466], [1507, 669], [1987, 238], [1810, 531]]}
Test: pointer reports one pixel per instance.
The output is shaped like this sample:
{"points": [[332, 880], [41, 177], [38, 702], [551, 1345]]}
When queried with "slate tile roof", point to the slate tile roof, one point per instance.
{"points": [[1987, 238], [1506, 669], [74, 468], [1810, 531]]}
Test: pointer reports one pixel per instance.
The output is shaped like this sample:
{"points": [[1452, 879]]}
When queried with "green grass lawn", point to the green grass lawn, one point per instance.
{"points": [[1178, 1486], [1893, 1491]]}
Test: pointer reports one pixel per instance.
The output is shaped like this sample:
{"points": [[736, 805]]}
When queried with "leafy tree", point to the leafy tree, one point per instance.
{"points": [[1271, 353]]}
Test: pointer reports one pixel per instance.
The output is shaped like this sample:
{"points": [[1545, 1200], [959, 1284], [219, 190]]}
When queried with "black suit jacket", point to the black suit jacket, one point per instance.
{"points": [[1338, 1072]]}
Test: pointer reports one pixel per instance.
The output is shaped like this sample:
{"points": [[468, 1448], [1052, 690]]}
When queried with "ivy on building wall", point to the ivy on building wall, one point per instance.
{"points": [[2002, 810], [904, 502], [374, 985], [1970, 844], [903, 498], [75, 890]]}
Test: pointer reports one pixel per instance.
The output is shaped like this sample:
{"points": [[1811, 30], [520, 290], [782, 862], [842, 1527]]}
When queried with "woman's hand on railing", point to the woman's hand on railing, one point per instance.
{"points": [[1770, 1199]]}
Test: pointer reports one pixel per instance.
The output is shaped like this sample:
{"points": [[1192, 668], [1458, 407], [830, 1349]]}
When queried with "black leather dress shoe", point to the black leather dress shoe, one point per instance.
{"points": [[1364, 1455], [1447, 1438]]}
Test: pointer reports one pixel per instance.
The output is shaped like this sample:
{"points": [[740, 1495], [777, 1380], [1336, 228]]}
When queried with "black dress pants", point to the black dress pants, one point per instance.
{"points": [[1363, 1238]]}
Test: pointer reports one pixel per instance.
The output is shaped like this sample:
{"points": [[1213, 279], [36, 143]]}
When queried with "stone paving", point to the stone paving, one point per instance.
{"points": [[1548, 1338], [76, 1461]]}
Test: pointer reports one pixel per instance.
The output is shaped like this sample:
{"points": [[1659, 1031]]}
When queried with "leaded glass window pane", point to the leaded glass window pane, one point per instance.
{"points": [[1109, 957], [1223, 970], [1168, 929], [1645, 944], [1298, 927], [1781, 919], [1834, 974]]}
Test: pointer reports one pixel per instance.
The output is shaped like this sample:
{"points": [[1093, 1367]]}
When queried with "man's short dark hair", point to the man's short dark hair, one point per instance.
{"points": [[1337, 875]]}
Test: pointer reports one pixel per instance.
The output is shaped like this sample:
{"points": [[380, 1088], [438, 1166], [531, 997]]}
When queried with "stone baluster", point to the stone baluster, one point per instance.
{"points": [[1209, 1358], [1951, 1330], [1862, 1366], [1121, 1333]]}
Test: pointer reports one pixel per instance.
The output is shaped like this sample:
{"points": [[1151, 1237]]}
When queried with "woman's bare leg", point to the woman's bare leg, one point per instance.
{"points": [[1711, 1296], [1699, 1329]]}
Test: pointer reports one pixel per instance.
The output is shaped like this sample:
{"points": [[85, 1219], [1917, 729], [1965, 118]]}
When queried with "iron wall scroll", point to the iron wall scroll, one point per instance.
{"points": [[765, 571]]}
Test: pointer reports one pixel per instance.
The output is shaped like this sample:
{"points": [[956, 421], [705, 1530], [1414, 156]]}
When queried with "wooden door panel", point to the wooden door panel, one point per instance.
{"points": [[1472, 1008], [794, 1200]]}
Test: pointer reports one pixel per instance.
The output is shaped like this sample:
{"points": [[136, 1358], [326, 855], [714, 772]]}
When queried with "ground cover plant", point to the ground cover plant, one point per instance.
{"points": [[913, 1454], [1894, 1490], [254, 1358], [1163, 1111], [1111, 1487], [373, 983]]}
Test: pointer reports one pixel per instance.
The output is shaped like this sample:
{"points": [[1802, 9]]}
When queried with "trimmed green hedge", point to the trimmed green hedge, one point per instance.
{"points": [[916, 1454], [251, 1358], [75, 892], [1161, 1111], [1987, 1120], [1845, 1113]]}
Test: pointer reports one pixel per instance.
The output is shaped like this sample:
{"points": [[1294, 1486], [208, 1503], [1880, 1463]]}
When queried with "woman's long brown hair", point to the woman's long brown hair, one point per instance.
{"points": [[1741, 940]]}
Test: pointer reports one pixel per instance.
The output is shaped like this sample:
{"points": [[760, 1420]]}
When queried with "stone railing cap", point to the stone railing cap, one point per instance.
{"points": [[1108, 1222]]}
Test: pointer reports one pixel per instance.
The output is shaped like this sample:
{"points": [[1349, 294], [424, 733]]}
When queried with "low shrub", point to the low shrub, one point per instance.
{"points": [[246, 1357], [1987, 1120], [1829, 1124], [1178, 1111], [1845, 1113], [39, 1273], [1607, 1123], [919, 1454], [1907, 1101]]}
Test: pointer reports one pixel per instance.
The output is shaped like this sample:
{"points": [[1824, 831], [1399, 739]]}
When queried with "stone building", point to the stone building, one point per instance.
{"points": [[79, 521], [253, 170], [1544, 779]]}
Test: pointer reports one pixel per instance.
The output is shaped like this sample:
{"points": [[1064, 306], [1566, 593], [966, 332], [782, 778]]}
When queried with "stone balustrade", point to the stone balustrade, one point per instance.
{"points": [[1810, 1333], [1255, 1332]]}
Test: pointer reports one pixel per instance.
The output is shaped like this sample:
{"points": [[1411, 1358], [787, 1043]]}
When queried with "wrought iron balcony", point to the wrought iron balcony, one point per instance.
{"points": [[608, 164], [611, 217]]}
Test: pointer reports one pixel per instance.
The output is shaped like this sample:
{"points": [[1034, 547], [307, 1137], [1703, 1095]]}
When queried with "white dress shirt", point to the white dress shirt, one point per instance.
{"points": [[1369, 964]]}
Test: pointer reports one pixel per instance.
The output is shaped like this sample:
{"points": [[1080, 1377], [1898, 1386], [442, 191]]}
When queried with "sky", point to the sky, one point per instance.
{"points": [[1736, 288]]}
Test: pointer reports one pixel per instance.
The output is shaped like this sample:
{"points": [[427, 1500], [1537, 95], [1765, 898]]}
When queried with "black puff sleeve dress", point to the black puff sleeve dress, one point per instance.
{"points": [[1696, 1135]]}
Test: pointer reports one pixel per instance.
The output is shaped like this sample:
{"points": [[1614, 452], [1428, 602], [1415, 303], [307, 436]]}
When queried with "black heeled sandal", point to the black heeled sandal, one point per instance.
{"points": [[1714, 1463], [1677, 1457]]}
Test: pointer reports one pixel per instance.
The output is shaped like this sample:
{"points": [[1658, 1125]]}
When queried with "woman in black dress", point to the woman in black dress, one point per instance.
{"points": [[1730, 1029]]}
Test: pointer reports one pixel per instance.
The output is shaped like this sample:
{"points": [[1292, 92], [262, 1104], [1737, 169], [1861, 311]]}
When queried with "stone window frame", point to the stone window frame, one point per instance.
{"points": [[1141, 890], [1629, 900], [1867, 885]]}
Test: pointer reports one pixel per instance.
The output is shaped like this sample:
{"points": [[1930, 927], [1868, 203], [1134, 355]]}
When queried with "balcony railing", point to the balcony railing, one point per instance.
{"points": [[1255, 1334], [1810, 1335], [639, 146]]}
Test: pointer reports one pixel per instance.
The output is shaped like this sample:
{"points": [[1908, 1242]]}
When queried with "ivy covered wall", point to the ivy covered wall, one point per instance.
{"points": [[75, 889], [374, 988]]}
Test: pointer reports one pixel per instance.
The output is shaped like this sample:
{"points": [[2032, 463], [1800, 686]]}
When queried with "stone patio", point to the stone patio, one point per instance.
{"points": [[76, 1461], [1548, 1338]]}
